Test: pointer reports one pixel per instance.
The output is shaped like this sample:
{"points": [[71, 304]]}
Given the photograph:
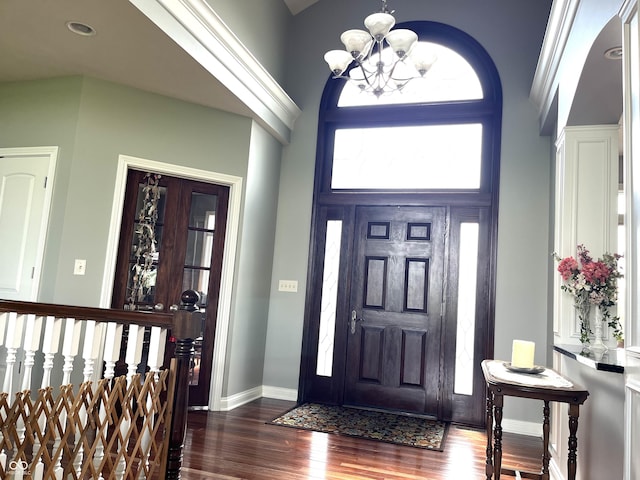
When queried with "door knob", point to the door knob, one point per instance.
{"points": [[158, 307], [173, 308]]}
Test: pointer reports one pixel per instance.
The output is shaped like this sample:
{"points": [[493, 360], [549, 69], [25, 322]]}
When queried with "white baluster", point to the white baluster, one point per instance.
{"points": [[90, 351], [157, 344], [32, 334], [15, 324], [31, 343], [4, 318], [50, 346], [70, 346], [156, 349], [133, 355], [38, 472], [91, 347], [113, 340]]}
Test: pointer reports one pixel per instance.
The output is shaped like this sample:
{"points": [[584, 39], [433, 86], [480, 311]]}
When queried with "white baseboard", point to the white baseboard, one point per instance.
{"points": [[554, 471], [235, 401], [279, 393], [532, 429]]}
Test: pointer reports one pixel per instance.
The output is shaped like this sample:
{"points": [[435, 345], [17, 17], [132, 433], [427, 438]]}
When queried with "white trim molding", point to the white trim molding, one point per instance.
{"points": [[196, 27], [239, 399], [561, 19], [126, 162]]}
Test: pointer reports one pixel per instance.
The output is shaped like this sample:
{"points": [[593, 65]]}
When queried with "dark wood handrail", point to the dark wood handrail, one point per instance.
{"points": [[127, 317], [185, 327]]}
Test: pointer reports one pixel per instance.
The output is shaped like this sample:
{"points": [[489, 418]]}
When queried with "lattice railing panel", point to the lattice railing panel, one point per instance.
{"points": [[115, 429]]}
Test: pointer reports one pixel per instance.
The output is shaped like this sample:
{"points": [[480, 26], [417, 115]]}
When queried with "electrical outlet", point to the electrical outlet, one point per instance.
{"points": [[79, 267], [288, 286]]}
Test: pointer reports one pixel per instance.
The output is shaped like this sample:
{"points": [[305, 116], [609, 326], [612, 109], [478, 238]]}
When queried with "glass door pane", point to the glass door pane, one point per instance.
{"points": [[197, 262]]}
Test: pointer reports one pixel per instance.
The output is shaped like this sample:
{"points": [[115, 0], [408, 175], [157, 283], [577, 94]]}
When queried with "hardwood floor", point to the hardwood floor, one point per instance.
{"points": [[240, 445]]}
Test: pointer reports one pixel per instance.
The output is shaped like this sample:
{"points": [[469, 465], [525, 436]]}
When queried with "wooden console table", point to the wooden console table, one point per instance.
{"points": [[549, 386]]}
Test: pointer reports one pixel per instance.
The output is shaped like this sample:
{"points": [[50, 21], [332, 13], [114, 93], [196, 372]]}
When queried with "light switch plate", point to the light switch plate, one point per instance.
{"points": [[80, 266]]}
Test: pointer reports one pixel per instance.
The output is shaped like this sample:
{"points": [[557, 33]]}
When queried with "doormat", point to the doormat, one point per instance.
{"points": [[410, 430]]}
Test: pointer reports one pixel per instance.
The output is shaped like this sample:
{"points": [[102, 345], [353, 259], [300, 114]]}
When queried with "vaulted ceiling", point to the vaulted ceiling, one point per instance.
{"points": [[128, 48], [131, 50], [296, 6]]}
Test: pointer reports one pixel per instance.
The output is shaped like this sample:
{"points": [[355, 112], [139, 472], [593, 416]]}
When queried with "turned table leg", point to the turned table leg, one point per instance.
{"points": [[497, 432], [574, 411], [489, 419], [545, 442]]}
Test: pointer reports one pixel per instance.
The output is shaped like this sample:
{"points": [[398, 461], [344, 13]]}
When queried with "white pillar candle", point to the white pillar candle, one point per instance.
{"points": [[522, 354]]}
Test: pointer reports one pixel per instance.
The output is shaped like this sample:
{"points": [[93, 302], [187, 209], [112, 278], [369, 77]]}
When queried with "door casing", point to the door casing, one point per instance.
{"points": [[234, 183]]}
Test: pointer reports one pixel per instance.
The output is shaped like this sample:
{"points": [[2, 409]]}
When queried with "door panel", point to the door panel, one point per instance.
{"points": [[22, 199], [189, 232], [393, 347]]}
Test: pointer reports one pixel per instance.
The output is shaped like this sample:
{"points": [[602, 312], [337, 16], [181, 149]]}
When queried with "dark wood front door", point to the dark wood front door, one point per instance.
{"points": [[393, 345], [189, 233]]}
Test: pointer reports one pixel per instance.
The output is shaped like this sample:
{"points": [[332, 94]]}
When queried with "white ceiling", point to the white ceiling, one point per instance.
{"points": [[131, 50], [127, 49]]}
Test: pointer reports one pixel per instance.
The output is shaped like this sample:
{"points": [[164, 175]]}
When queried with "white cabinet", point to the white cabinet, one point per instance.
{"points": [[586, 209]]}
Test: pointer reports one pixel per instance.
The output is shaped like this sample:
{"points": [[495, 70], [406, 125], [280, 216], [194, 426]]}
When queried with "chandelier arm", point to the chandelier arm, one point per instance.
{"points": [[366, 74]]}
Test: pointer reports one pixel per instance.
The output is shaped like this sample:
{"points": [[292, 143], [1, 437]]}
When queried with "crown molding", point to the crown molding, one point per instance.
{"points": [[561, 20], [196, 27]]}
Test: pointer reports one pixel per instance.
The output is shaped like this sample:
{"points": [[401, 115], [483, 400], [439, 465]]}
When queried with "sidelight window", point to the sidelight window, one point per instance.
{"points": [[466, 321], [329, 298]]}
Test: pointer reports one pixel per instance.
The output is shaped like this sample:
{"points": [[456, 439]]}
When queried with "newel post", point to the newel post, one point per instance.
{"points": [[186, 328]]}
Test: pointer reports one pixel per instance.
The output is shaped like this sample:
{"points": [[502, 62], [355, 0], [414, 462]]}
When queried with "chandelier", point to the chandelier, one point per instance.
{"points": [[377, 69]]}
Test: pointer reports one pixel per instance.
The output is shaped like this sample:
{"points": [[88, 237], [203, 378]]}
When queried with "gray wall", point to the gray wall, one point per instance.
{"points": [[262, 26], [246, 345], [44, 113], [523, 252], [97, 123], [93, 122], [601, 423]]}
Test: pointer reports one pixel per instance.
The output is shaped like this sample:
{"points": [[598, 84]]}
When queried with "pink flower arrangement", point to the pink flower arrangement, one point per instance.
{"points": [[592, 282]]}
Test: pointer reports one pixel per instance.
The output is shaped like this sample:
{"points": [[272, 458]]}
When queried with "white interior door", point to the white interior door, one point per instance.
{"points": [[25, 196]]}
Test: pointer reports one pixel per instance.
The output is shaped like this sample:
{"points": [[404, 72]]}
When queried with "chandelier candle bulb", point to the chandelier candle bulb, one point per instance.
{"points": [[522, 354]]}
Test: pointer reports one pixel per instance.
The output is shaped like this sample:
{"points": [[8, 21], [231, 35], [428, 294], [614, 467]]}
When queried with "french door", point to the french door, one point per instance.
{"points": [[189, 234]]}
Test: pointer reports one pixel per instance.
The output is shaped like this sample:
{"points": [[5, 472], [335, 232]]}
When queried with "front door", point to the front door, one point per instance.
{"points": [[187, 222], [393, 345]]}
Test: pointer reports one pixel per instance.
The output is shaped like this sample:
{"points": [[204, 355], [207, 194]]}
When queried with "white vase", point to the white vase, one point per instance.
{"points": [[598, 344]]}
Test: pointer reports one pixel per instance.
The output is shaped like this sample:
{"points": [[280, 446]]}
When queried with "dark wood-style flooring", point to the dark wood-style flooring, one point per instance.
{"points": [[240, 445]]}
